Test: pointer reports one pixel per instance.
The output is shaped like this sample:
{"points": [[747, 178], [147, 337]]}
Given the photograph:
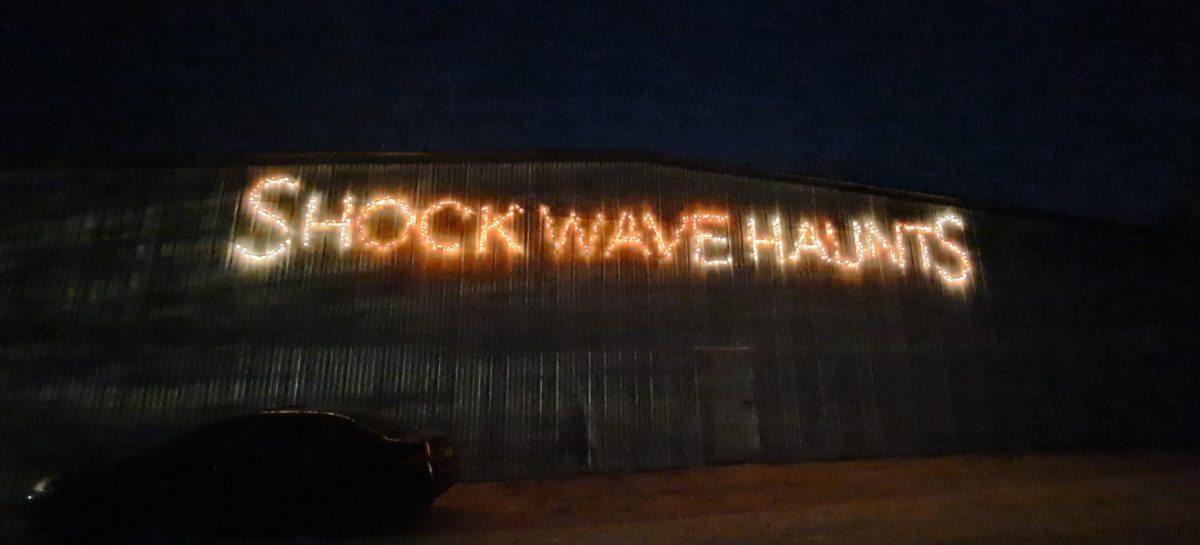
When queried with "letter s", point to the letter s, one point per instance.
{"points": [[964, 261], [271, 216]]}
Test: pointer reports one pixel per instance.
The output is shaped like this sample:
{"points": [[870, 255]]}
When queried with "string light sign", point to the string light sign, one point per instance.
{"points": [[706, 237]]}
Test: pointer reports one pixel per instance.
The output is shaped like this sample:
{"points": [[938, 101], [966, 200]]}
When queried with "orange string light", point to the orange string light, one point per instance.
{"points": [[489, 225], [666, 249], [378, 205], [707, 232], [427, 238], [627, 234], [585, 242]]}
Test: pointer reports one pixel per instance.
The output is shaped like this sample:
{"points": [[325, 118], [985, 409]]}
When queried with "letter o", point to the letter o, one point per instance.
{"points": [[377, 205]]}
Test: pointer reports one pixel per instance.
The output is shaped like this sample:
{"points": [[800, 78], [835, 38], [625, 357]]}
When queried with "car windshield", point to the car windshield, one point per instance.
{"points": [[387, 426]]}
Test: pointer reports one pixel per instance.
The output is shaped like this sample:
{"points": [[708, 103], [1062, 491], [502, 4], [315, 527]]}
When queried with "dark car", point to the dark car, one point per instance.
{"points": [[291, 470]]}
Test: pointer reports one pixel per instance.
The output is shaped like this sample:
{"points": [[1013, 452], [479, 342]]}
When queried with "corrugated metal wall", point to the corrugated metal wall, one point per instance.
{"points": [[126, 320]]}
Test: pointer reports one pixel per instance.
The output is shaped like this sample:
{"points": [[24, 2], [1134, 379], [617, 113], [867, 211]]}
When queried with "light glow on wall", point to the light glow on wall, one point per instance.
{"points": [[428, 239], [703, 234], [489, 225], [373, 208], [271, 217]]}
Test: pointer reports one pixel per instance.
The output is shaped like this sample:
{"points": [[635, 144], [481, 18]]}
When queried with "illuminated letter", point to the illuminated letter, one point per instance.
{"points": [[700, 238], [626, 235], [922, 231], [808, 241], [776, 239], [571, 224], [345, 227], [964, 262], [665, 249], [401, 232], [487, 225], [831, 235], [257, 208], [877, 244], [427, 237]]}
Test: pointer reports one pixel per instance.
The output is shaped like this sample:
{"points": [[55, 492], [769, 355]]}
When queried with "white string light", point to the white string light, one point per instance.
{"points": [[700, 238], [836, 256], [586, 245], [707, 231], [807, 240], [922, 232], [273, 217], [345, 226], [964, 261], [627, 234], [877, 244], [775, 240]]}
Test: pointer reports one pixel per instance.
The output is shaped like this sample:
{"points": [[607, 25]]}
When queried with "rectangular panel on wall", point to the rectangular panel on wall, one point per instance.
{"points": [[728, 405]]}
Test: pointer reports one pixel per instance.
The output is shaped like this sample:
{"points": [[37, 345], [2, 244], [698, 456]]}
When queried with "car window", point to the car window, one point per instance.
{"points": [[210, 438], [311, 431], [387, 426]]}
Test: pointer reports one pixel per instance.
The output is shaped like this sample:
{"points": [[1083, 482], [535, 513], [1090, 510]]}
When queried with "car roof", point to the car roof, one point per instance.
{"points": [[387, 426]]}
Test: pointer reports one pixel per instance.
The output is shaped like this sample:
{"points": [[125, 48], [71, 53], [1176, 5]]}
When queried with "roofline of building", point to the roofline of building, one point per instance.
{"points": [[541, 156]]}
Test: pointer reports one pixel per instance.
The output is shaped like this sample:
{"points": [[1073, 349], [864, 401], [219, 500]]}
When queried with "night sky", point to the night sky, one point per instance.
{"points": [[1074, 107]]}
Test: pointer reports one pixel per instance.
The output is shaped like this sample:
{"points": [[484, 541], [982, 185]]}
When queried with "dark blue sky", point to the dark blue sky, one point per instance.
{"points": [[1069, 106]]}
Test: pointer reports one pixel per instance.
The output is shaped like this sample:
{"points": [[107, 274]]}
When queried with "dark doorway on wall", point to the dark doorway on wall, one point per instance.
{"points": [[728, 414]]}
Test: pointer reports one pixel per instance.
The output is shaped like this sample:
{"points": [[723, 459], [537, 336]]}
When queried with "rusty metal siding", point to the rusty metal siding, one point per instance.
{"points": [[125, 322]]}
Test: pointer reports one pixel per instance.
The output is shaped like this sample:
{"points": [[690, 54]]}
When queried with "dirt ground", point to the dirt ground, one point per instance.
{"points": [[1061, 499], [960, 500]]}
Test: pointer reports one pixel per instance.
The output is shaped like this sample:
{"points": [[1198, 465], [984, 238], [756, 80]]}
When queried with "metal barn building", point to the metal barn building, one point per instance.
{"points": [[571, 312]]}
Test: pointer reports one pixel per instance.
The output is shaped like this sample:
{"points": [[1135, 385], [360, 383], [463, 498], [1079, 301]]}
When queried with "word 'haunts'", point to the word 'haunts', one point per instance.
{"points": [[704, 236]]}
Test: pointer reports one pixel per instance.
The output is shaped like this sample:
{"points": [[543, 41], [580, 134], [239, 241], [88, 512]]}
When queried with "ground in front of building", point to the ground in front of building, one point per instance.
{"points": [[961, 499], [1060, 499]]}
